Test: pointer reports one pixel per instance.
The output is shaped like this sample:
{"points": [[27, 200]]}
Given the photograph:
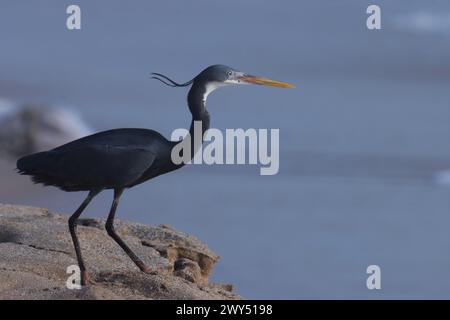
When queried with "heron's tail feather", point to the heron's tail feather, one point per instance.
{"points": [[38, 166], [32, 163]]}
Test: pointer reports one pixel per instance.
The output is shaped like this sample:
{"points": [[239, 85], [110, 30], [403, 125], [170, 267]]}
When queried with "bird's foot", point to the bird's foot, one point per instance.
{"points": [[84, 278], [147, 270]]}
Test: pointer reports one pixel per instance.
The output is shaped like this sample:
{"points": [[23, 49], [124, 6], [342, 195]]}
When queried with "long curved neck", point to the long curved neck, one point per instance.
{"points": [[196, 102], [200, 120]]}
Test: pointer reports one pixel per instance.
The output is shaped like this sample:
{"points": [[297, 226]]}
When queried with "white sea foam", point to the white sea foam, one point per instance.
{"points": [[442, 177], [6, 106], [425, 22], [68, 121], [31, 129]]}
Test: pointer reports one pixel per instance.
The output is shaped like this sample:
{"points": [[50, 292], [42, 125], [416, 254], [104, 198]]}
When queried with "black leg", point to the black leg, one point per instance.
{"points": [[73, 227], [112, 233]]}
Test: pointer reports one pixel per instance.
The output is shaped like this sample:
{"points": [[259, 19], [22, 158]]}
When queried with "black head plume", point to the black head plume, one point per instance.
{"points": [[172, 83]]}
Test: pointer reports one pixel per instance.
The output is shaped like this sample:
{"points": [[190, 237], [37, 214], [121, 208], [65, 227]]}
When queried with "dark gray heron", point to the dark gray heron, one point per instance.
{"points": [[119, 159]]}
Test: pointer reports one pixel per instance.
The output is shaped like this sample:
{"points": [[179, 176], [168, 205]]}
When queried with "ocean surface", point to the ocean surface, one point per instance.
{"points": [[364, 138]]}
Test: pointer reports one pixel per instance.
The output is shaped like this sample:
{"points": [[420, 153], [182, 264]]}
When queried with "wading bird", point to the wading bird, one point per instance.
{"points": [[122, 158]]}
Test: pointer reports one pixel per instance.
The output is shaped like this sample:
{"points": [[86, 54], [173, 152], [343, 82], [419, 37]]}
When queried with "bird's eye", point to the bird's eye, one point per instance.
{"points": [[229, 73]]}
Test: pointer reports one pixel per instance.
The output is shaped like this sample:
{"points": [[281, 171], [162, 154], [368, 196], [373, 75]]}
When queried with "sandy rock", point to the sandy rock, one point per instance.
{"points": [[36, 249]]}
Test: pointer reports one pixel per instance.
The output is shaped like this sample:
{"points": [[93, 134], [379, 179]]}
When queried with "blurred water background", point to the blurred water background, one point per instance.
{"points": [[364, 139]]}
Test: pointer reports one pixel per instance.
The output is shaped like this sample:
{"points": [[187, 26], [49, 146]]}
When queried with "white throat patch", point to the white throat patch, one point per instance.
{"points": [[210, 87]]}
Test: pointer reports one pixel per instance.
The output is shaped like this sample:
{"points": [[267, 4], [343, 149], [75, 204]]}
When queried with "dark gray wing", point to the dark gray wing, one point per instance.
{"points": [[102, 166]]}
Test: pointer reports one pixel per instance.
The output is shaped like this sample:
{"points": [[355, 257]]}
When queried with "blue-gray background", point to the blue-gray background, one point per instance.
{"points": [[364, 137]]}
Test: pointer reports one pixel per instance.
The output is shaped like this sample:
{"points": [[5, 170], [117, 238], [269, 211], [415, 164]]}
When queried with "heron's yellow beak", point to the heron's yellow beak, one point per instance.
{"points": [[264, 82]]}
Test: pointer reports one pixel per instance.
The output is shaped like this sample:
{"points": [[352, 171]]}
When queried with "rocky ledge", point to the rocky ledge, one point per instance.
{"points": [[36, 250]]}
